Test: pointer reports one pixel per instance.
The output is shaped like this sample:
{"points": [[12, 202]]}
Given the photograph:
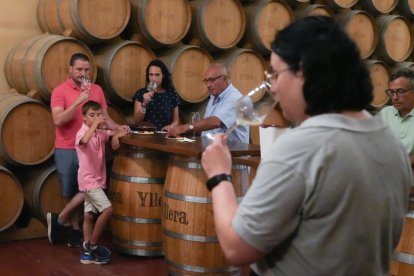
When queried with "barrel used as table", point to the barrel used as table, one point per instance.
{"points": [[136, 189], [402, 263], [191, 246], [190, 243]]}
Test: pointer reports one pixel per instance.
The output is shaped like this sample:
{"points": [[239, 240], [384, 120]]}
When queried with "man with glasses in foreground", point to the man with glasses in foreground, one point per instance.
{"points": [[400, 115], [220, 112]]}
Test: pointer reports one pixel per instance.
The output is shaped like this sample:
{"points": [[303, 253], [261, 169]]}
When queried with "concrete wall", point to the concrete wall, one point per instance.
{"points": [[18, 22]]}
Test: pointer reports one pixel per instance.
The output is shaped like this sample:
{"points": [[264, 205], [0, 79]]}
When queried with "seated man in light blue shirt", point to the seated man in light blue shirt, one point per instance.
{"points": [[400, 116], [220, 113]]}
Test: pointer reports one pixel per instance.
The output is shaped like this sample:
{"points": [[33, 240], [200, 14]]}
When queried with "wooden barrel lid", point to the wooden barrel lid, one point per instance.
{"points": [[376, 7], [264, 19], [217, 24], [123, 69], [187, 65], [396, 39], [380, 77], [246, 68], [362, 29], [26, 130], [159, 23], [11, 198]]}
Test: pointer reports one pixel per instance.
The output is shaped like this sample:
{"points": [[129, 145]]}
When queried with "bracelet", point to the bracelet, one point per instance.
{"points": [[215, 180]]}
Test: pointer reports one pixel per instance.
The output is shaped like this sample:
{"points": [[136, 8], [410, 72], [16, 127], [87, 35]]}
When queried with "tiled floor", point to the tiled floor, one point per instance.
{"points": [[37, 257]]}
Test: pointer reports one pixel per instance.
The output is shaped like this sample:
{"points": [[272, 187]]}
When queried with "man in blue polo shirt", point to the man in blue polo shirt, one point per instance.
{"points": [[220, 113]]}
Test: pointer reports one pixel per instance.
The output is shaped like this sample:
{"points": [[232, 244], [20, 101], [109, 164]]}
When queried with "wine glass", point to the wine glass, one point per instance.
{"points": [[252, 108], [86, 83], [152, 86], [195, 116]]}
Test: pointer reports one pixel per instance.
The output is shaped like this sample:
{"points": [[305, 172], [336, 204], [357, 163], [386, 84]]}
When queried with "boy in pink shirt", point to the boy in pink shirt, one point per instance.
{"points": [[90, 148]]}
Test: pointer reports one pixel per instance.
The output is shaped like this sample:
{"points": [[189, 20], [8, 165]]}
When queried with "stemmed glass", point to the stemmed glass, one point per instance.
{"points": [[86, 83], [195, 116], [252, 108], [152, 86]]}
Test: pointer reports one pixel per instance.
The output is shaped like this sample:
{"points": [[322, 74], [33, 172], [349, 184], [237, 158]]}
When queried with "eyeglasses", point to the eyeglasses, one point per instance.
{"points": [[271, 76], [205, 81], [400, 92]]}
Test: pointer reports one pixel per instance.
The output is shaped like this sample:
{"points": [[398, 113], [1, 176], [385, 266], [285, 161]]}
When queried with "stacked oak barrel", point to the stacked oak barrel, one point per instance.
{"points": [[122, 36]]}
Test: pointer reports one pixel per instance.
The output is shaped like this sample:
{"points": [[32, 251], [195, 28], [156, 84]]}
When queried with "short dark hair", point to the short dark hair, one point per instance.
{"points": [[90, 105], [166, 80], [405, 73], [335, 76], [78, 56]]}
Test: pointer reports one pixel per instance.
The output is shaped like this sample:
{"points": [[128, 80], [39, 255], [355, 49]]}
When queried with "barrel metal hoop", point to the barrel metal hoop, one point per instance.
{"points": [[136, 220], [230, 269], [137, 179], [190, 237], [136, 243], [194, 199], [403, 257], [141, 155], [136, 251]]}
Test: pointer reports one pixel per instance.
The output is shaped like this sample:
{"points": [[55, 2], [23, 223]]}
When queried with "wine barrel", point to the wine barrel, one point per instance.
{"points": [[246, 68], [264, 19], [216, 24], [403, 65], [362, 29], [298, 3], [396, 40], [136, 190], [380, 78], [314, 9], [339, 4], [122, 68], [26, 130], [91, 21], [190, 242], [42, 190], [377, 7], [402, 262], [11, 198], [187, 65], [406, 9], [41, 63], [159, 23]]}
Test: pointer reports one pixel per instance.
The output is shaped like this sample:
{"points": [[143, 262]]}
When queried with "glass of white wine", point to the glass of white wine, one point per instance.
{"points": [[86, 83], [252, 108], [152, 87], [195, 116]]}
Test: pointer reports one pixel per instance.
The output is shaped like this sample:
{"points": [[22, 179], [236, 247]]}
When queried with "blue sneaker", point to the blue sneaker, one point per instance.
{"points": [[98, 250], [88, 258]]}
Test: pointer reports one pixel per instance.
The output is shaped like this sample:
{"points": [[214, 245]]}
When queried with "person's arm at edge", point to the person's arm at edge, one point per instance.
{"points": [[110, 124], [236, 250], [138, 114], [216, 160]]}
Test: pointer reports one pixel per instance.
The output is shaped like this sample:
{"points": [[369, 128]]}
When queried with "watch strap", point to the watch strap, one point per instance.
{"points": [[215, 180]]}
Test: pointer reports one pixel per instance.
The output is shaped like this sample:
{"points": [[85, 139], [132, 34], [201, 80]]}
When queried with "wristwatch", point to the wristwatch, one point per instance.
{"points": [[143, 109], [215, 180], [191, 127]]}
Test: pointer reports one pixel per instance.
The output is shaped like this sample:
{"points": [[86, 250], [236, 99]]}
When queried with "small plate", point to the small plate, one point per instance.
{"points": [[142, 132]]}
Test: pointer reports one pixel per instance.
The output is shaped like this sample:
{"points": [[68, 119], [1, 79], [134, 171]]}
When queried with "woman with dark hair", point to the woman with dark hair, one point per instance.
{"points": [[330, 196], [158, 102]]}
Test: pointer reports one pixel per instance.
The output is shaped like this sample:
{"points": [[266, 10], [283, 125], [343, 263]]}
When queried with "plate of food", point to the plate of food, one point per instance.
{"points": [[142, 132], [143, 127]]}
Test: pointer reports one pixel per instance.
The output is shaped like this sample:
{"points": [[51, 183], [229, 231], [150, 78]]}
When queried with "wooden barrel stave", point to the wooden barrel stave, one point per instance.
{"points": [[188, 223], [135, 190], [23, 140], [11, 198]]}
